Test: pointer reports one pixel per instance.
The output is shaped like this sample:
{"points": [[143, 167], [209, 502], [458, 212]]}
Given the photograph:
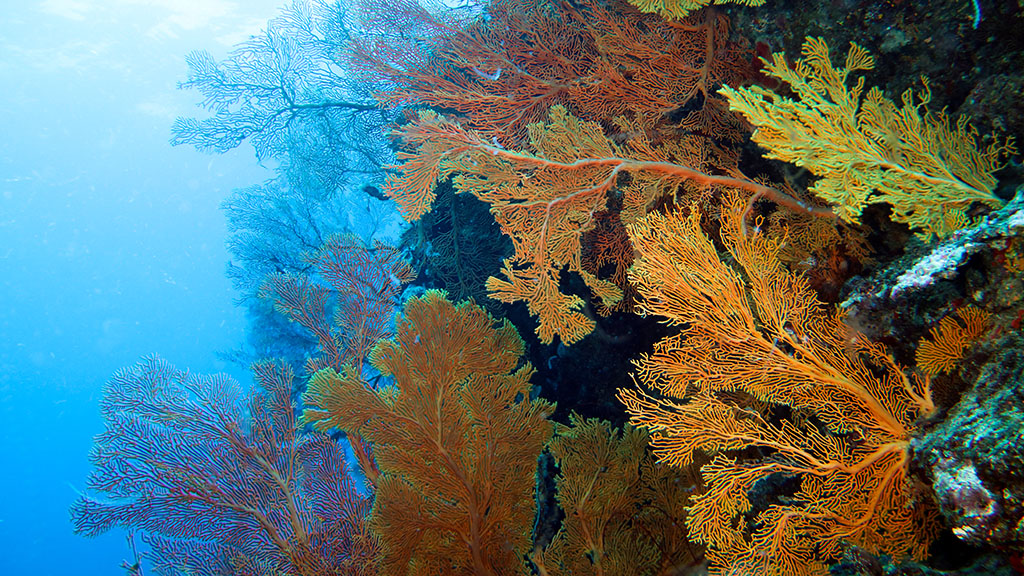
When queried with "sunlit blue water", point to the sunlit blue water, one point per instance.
{"points": [[111, 241]]}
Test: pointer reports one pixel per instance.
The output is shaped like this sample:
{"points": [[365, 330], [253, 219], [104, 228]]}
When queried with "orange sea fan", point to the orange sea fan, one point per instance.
{"points": [[949, 339], [755, 330], [456, 438]]}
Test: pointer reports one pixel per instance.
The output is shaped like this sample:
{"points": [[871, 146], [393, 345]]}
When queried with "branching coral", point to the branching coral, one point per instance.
{"points": [[865, 149], [219, 480], [674, 9], [456, 439], [623, 512], [545, 198], [757, 332]]}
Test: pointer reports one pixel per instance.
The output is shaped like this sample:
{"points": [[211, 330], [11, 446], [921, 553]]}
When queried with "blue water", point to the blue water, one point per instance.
{"points": [[111, 241]]}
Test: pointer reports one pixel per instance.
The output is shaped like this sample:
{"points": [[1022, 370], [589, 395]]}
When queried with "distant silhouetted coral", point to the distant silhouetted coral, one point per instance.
{"points": [[219, 481]]}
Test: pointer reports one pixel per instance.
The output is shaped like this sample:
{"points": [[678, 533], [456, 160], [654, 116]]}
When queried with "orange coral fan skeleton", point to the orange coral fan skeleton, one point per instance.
{"points": [[763, 334], [635, 73], [949, 340], [545, 200], [505, 71]]}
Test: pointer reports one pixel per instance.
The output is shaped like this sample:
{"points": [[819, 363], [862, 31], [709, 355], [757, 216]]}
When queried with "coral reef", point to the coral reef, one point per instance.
{"points": [[976, 455], [903, 299], [864, 149], [805, 295], [624, 513]]}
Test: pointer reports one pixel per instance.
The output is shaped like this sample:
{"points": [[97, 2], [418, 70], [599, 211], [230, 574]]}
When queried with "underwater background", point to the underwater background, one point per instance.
{"points": [[112, 241], [512, 287]]}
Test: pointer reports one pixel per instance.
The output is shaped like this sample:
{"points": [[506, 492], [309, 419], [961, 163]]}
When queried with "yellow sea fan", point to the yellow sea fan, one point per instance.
{"points": [[676, 9], [865, 149]]}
